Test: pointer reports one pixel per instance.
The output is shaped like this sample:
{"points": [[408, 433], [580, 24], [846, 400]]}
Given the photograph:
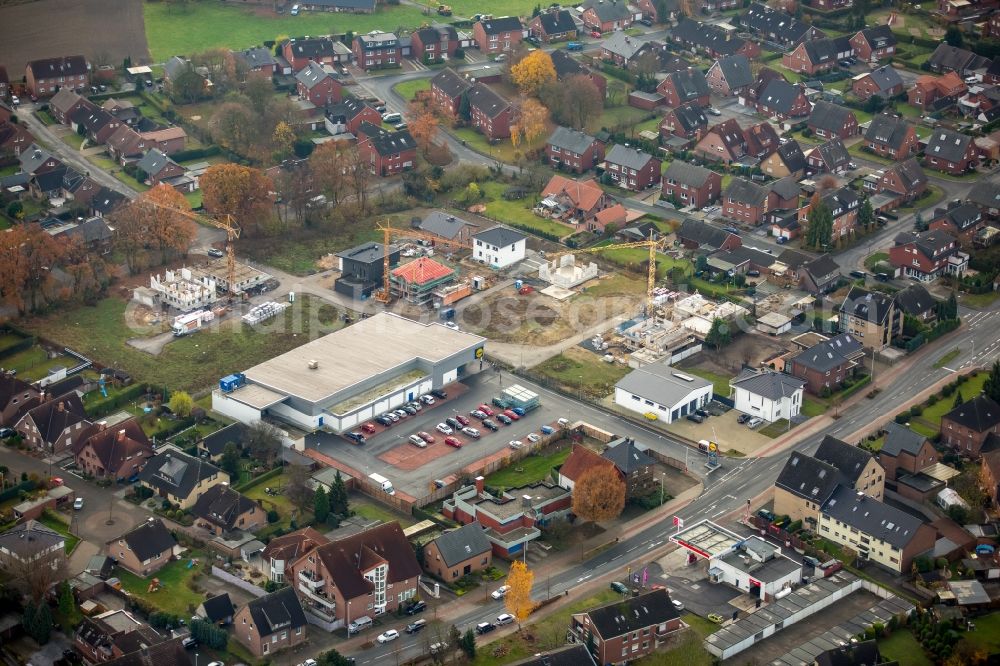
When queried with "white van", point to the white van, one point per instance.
{"points": [[383, 483], [359, 624], [418, 441]]}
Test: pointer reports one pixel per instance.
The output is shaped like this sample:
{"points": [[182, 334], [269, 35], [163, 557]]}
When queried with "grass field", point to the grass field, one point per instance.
{"points": [[979, 300], [171, 31], [34, 363], [366, 508], [174, 596], [933, 196], [986, 637], [947, 358], [469, 8], [73, 140], [581, 371], [969, 390], [298, 254], [720, 383], [187, 363], [529, 470], [811, 407], [409, 89], [55, 523], [876, 258], [618, 116], [519, 212], [904, 648], [504, 150]]}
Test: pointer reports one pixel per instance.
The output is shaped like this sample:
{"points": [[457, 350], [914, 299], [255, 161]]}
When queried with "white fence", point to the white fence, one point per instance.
{"points": [[222, 574]]}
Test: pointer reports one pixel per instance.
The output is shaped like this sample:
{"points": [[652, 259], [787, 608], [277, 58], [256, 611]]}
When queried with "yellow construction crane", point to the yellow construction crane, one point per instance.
{"points": [[384, 295], [227, 223], [651, 245]]}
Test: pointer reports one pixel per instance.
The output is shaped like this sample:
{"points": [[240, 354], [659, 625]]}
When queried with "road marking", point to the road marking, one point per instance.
{"points": [[583, 578]]}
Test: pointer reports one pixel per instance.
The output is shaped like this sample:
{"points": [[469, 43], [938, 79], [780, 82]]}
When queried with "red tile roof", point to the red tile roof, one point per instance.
{"points": [[422, 271]]}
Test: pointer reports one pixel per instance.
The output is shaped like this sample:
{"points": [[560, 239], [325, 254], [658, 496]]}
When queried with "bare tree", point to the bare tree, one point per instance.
{"points": [[264, 442], [35, 577], [297, 490]]}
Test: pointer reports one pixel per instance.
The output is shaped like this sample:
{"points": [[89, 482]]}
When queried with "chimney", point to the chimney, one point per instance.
{"points": [[526, 501], [480, 483], [121, 435], [102, 425]]}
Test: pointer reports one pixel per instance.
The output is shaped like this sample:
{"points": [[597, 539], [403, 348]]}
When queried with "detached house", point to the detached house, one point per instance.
{"points": [[884, 82], [627, 630], [573, 150], [180, 478], [567, 66], [951, 152], [687, 122], [960, 219], [582, 460], [54, 426], [927, 255], [259, 62], [220, 510], [386, 153], [917, 302], [875, 43], [634, 465], [270, 623], [376, 50], [498, 35], [871, 317], [161, 169], [905, 181], [892, 137], [904, 452], [319, 85], [730, 75], [787, 160], [299, 52], [579, 200], [744, 201], [767, 394], [936, 93], [370, 573], [691, 185], [16, 397], [44, 78], [783, 100], [459, 552], [843, 204], [607, 15], [434, 44], [819, 275], [947, 58], [817, 56], [115, 453], [490, 113], [966, 427], [64, 104], [697, 235], [554, 25], [632, 169], [685, 87], [831, 121], [144, 549], [447, 89]]}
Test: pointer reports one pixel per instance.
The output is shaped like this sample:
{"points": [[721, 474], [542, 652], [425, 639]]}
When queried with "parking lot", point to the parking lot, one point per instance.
{"points": [[725, 431], [413, 470]]}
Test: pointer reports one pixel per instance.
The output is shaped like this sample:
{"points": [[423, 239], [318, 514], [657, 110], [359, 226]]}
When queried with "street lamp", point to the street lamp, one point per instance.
{"points": [[662, 474]]}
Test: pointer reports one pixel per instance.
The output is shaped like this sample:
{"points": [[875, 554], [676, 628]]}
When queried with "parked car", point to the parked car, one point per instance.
{"points": [[743, 418], [462, 419], [453, 422], [754, 422], [438, 647], [416, 405], [712, 111], [504, 419], [295, 10], [766, 515], [416, 626], [504, 618], [368, 427], [715, 617], [547, 430], [442, 428], [563, 423], [490, 425], [596, 34], [409, 409], [189, 643], [500, 592], [574, 46], [215, 252], [427, 399], [677, 604], [697, 418], [387, 636], [646, 22], [620, 588], [417, 441], [485, 628], [426, 436], [356, 436], [518, 411], [515, 444], [475, 413], [401, 413], [533, 437], [485, 409], [453, 441], [439, 394], [511, 414], [416, 607], [702, 412], [472, 432], [860, 275]]}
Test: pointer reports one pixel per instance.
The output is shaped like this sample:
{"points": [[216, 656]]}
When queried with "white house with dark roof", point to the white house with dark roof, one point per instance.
{"points": [[769, 395], [663, 391], [499, 246]]}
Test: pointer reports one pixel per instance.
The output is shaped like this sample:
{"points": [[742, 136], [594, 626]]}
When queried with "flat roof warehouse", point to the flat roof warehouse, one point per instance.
{"points": [[348, 357]]}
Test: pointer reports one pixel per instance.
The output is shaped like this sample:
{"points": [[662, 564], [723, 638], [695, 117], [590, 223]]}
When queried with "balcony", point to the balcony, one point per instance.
{"points": [[318, 598], [320, 612], [307, 580]]}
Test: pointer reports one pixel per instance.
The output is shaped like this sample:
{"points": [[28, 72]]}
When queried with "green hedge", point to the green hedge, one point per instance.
{"points": [[17, 347], [105, 406], [256, 481], [15, 491], [196, 154], [532, 230]]}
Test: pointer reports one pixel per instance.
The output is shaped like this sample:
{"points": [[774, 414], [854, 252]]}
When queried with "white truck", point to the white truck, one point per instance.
{"points": [[383, 483], [190, 322]]}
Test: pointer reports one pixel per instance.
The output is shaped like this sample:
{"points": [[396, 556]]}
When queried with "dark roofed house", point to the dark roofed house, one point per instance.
{"points": [[554, 25], [826, 364], [145, 548], [159, 168], [180, 478], [951, 152], [259, 61], [803, 485], [829, 157], [220, 509], [458, 553], [347, 116], [787, 161], [387, 153], [906, 180], [447, 88], [917, 302], [569, 655], [884, 82], [927, 255], [376, 49], [698, 235], [871, 317], [684, 87], [498, 34], [448, 226], [767, 394], [271, 623], [819, 55], [214, 444], [960, 219], [567, 66], [820, 275], [904, 452], [691, 185], [783, 100], [966, 427], [434, 43], [53, 425], [608, 628], [874, 43], [573, 150], [778, 26], [606, 16], [318, 84], [833, 121], [300, 51], [217, 610], [30, 544], [891, 136], [688, 122], [730, 75], [632, 169], [47, 76], [712, 39], [744, 201], [948, 58], [115, 453], [491, 114], [723, 142], [634, 464], [16, 396]]}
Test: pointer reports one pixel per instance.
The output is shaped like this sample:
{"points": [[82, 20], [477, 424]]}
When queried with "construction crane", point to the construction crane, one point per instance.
{"points": [[651, 244], [384, 295], [227, 223]]}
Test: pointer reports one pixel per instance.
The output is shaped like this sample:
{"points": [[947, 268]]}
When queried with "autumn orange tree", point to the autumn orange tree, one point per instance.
{"points": [[423, 121], [518, 598], [532, 120], [533, 71], [157, 221], [240, 191], [599, 494]]}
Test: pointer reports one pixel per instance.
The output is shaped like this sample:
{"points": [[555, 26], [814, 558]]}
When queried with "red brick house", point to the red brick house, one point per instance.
{"points": [[827, 364], [632, 169], [489, 112], [16, 396], [685, 87], [348, 116], [64, 104], [271, 623], [904, 452], [951, 152], [607, 15], [300, 52], [458, 553], [691, 185], [843, 205], [258, 61], [116, 453], [387, 153], [875, 43], [688, 122], [553, 25], [933, 93], [434, 44], [831, 121], [145, 548], [761, 139], [54, 425], [126, 145], [43, 78], [512, 519], [582, 199], [778, 26], [498, 35], [724, 142], [319, 85], [616, 216], [817, 56], [697, 235], [967, 426], [567, 66], [168, 140], [370, 573], [712, 40], [924, 256], [376, 50], [744, 201], [98, 124], [892, 137], [730, 75], [783, 100], [884, 82], [632, 628], [960, 219], [161, 169], [447, 88], [573, 150]]}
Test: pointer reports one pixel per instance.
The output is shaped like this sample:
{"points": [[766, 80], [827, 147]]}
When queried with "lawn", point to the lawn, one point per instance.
{"points": [[191, 362], [370, 510], [518, 212], [901, 646], [876, 258], [298, 254], [56, 523], [504, 150], [979, 301], [720, 382], [73, 140], [618, 117], [174, 595], [871, 157], [172, 31], [549, 633], [194, 199], [531, 469], [409, 89], [947, 358], [970, 389], [635, 259], [812, 407], [986, 636], [34, 363], [468, 8], [932, 196], [581, 371]]}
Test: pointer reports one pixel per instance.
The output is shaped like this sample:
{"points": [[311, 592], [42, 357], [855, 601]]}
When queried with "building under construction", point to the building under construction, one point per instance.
{"points": [[417, 281]]}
